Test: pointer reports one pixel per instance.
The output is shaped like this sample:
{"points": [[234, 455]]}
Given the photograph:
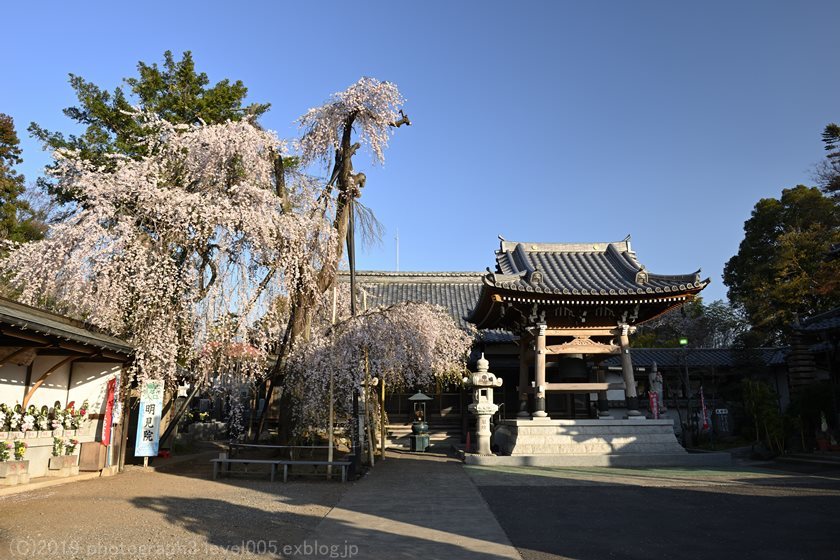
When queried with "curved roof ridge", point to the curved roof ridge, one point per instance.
{"points": [[691, 277], [625, 260], [422, 274], [577, 247]]}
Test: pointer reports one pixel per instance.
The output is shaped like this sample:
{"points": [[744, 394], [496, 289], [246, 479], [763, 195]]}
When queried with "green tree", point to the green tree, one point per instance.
{"points": [[18, 222], [716, 325], [175, 92], [781, 269], [828, 171]]}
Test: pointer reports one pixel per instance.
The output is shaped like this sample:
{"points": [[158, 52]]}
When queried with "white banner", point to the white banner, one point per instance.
{"points": [[148, 420]]}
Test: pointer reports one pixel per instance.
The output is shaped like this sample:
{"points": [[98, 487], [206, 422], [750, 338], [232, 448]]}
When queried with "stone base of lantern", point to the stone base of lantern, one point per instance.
{"points": [[603, 442], [418, 442]]}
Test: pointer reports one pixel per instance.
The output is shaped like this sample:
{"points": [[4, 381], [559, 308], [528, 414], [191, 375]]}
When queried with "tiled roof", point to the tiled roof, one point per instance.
{"points": [[456, 291], [830, 320], [697, 357], [43, 322], [582, 269]]}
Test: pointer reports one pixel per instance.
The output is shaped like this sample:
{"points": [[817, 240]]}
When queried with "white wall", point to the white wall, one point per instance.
{"points": [[12, 380], [71, 382], [54, 388], [90, 381]]}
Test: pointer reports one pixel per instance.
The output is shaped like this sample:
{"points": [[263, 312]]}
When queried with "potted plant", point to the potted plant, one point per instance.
{"points": [[42, 422], [63, 462]]}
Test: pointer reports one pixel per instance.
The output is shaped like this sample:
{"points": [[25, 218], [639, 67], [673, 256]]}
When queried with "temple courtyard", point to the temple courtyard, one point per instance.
{"points": [[433, 506]]}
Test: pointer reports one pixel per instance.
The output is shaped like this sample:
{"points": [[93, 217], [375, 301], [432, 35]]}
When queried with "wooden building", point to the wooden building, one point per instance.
{"points": [[46, 358], [573, 305]]}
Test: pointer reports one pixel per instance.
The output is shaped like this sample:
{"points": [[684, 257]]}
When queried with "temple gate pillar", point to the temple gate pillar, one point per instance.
{"points": [[539, 372], [627, 369], [603, 403], [523, 378]]}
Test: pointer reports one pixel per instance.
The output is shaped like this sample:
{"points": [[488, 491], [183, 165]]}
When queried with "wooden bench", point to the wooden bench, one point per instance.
{"points": [[279, 462], [343, 464], [292, 448], [229, 462]]}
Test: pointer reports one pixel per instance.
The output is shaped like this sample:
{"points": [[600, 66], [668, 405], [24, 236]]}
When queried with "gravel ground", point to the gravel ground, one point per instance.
{"points": [[176, 513]]}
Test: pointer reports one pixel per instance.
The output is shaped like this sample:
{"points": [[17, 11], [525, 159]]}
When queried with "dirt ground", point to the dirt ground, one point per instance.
{"points": [[176, 513]]}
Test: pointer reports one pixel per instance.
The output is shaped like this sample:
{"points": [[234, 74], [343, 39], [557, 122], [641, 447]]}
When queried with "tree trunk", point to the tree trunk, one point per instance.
{"points": [[300, 304]]}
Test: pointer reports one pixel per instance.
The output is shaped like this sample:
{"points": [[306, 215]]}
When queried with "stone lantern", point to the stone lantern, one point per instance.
{"points": [[483, 406], [419, 438]]}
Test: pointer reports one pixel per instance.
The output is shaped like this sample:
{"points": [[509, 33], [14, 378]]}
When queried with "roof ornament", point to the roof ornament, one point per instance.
{"points": [[535, 278], [635, 314], [642, 275]]}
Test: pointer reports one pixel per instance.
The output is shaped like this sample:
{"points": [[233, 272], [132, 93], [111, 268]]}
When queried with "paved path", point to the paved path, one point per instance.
{"points": [[647, 514], [177, 514], [415, 506]]}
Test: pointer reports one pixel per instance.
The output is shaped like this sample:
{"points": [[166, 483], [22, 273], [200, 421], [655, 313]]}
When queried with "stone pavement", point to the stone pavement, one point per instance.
{"points": [[415, 506], [684, 513]]}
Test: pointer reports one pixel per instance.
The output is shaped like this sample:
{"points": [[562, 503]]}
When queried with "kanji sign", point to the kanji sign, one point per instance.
{"points": [[148, 419]]}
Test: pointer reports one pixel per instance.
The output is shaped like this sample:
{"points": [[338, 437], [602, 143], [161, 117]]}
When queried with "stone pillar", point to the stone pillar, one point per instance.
{"points": [[524, 381], [539, 372], [603, 403], [627, 369], [483, 434]]}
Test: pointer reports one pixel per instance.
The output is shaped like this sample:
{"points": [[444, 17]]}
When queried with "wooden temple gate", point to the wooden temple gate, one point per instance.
{"points": [[575, 299]]}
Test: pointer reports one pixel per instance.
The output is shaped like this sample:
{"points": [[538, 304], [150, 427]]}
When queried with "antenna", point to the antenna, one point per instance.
{"points": [[397, 239]]}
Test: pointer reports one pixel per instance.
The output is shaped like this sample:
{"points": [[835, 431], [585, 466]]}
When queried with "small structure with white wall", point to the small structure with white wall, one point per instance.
{"points": [[48, 359]]}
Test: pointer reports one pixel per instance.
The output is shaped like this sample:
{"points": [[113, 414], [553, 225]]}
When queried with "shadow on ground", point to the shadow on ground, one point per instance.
{"points": [[658, 513]]}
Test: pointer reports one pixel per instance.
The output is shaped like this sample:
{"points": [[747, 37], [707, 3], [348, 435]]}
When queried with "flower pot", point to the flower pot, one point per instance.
{"points": [[69, 432], [63, 465], [14, 472], [30, 434], [15, 435], [4, 436], [44, 433], [58, 432]]}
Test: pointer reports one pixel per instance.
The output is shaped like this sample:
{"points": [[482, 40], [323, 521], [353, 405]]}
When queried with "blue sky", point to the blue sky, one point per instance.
{"points": [[539, 121]]}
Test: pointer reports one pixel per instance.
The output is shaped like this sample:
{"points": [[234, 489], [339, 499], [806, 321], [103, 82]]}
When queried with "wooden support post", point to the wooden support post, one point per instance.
{"points": [[539, 372], [603, 403], [631, 396], [524, 381]]}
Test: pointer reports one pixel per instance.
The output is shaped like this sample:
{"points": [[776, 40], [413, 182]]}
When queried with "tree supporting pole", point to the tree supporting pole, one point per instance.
{"points": [[330, 428], [351, 259], [369, 431], [382, 419]]}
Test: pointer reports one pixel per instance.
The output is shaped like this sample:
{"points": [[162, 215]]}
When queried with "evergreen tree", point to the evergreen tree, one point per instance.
{"points": [[781, 270], [17, 219], [175, 92]]}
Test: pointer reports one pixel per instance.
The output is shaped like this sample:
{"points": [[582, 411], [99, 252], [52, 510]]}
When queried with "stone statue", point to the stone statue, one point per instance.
{"points": [[655, 385]]}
